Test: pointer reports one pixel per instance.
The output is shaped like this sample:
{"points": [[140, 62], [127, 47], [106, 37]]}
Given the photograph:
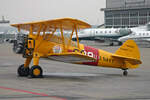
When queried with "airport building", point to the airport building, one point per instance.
{"points": [[126, 13]]}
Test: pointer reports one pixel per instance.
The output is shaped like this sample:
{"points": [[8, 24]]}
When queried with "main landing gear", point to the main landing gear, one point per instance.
{"points": [[111, 44], [34, 71], [22, 71], [125, 72]]}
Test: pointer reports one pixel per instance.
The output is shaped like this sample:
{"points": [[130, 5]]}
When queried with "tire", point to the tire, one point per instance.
{"points": [[125, 73], [22, 71], [36, 72], [111, 44]]}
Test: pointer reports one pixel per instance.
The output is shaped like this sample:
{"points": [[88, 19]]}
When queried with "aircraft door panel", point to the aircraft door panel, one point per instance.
{"points": [[92, 32]]}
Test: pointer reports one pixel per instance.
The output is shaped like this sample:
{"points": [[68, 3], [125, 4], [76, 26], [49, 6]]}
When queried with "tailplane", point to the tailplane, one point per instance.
{"points": [[129, 52]]}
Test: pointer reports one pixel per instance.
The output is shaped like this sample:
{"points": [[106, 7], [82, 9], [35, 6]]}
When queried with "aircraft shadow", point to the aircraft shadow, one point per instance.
{"points": [[84, 76], [70, 76]]}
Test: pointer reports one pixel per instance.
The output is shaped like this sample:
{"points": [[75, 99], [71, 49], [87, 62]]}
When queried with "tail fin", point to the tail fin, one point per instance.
{"points": [[129, 51]]}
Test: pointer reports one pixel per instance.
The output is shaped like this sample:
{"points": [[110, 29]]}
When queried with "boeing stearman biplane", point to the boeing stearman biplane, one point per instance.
{"points": [[43, 43]]}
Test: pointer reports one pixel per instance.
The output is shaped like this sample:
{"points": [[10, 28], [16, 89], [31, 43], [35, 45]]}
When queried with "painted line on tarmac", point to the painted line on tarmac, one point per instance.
{"points": [[30, 92]]}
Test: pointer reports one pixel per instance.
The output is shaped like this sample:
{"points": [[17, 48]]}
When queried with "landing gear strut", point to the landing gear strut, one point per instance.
{"points": [[125, 72]]}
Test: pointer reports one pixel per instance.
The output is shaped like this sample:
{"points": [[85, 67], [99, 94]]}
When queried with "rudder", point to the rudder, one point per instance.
{"points": [[129, 49]]}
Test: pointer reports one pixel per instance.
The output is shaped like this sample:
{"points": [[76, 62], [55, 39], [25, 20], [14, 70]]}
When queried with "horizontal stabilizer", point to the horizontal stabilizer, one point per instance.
{"points": [[131, 60], [71, 58]]}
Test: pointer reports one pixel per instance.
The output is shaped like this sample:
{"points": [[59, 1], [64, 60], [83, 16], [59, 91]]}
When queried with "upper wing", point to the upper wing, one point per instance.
{"points": [[64, 23], [71, 57]]}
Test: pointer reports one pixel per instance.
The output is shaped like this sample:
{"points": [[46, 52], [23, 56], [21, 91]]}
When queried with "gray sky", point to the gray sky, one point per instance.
{"points": [[18, 11]]}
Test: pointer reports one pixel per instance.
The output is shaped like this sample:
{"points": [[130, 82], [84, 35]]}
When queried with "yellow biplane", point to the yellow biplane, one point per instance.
{"points": [[42, 42]]}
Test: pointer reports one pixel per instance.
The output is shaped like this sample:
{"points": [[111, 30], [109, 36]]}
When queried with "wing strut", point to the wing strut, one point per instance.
{"points": [[76, 30], [69, 42], [63, 42], [18, 28]]}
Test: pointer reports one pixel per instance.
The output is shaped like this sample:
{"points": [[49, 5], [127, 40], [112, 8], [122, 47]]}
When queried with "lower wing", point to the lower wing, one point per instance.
{"points": [[71, 58]]}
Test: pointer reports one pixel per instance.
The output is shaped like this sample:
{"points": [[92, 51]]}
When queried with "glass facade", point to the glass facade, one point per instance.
{"points": [[131, 13]]}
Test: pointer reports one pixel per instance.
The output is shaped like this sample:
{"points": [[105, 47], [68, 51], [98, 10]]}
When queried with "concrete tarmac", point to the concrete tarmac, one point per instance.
{"points": [[63, 81]]}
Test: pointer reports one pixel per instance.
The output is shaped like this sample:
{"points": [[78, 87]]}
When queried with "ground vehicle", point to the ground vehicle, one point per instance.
{"points": [[19, 43]]}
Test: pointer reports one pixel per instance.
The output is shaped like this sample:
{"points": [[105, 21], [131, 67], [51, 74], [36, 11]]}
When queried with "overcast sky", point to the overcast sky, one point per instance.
{"points": [[18, 11]]}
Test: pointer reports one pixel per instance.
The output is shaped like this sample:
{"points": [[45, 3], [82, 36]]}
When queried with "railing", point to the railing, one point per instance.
{"points": [[126, 7]]}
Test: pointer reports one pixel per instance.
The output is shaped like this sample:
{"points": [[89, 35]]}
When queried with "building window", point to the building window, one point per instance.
{"points": [[125, 13], [109, 22], [143, 21], [149, 19], [149, 13], [133, 14], [134, 21], [108, 14], [125, 21], [143, 13], [117, 21], [116, 14]]}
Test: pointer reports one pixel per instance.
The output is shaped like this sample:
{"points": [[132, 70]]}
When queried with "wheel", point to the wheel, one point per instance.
{"points": [[111, 44], [18, 50], [125, 73], [36, 72], [119, 43], [22, 71]]}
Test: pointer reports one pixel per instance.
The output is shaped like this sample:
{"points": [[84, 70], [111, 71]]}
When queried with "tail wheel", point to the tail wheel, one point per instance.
{"points": [[22, 71], [36, 72], [125, 73]]}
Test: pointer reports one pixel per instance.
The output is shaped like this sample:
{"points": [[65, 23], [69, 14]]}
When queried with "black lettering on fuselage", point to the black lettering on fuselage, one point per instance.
{"points": [[130, 46], [100, 58], [106, 59]]}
